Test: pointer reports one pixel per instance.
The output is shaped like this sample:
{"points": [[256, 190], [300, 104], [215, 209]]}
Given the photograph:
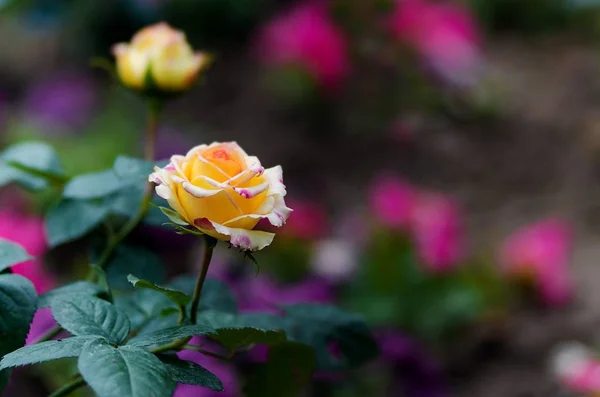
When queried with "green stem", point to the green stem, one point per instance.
{"points": [[154, 111], [69, 387], [208, 251], [50, 334]]}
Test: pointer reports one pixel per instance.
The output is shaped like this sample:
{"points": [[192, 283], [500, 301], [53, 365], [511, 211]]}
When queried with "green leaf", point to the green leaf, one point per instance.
{"points": [[285, 374], [30, 164], [11, 254], [173, 216], [46, 351], [190, 373], [146, 310], [93, 185], [126, 202], [86, 315], [170, 334], [320, 325], [69, 290], [180, 298], [72, 219], [233, 333], [17, 307], [4, 377], [132, 170], [216, 295], [134, 260], [125, 371]]}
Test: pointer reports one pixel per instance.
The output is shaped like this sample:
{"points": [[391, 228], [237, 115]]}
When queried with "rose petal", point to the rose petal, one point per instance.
{"points": [[250, 240], [252, 191]]}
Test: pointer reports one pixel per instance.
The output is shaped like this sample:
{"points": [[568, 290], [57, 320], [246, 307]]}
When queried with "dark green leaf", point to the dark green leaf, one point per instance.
{"points": [[146, 308], [93, 185], [11, 254], [127, 202], [31, 164], [233, 332], [45, 351], [133, 260], [4, 376], [17, 306], [72, 219], [125, 371], [190, 373], [78, 287], [216, 295], [170, 334], [86, 315], [285, 374], [319, 326], [102, 281], [178, 297], [132, 170]]}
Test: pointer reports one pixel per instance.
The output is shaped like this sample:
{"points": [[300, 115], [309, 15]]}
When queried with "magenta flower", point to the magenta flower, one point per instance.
{"points": [[576, 368], [444, 33], [391, 201], [305, 37], [540, 253], [308, 222], [437, 231], [265, 294], [224, 371], [29, 233]]}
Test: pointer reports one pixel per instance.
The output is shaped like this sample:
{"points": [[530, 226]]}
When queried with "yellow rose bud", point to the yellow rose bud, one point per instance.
{"points": [[223, 192], [159, 57]]}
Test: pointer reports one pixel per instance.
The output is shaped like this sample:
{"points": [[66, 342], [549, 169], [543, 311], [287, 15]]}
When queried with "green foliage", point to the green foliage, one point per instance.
{"points": [[11, 254], [46, 351], [123, 371], [131, 170], [72, 219], [93, 185], [286, 373], [319, 326], [170, 334], [215, 294], [86, 315], [190, 373], [178, 297], [30, 164], [233, 332], [17, 307], [69, 291], [134, 260]]}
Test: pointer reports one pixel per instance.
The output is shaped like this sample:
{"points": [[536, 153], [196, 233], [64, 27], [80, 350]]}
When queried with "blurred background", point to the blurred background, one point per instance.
{"points": [[442, 158]]}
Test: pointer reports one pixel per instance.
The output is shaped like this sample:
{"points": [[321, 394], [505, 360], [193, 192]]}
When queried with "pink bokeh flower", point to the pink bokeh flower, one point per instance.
{"points": [[437, 231], [305, 37], [576, 368], [28, 232], [540, 253], [391, 201], [309, 221], [444, 33], [225, 371]]}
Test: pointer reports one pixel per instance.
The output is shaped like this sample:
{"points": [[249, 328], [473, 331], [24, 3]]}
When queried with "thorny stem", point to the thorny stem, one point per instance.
{"points": [[208, 251]]}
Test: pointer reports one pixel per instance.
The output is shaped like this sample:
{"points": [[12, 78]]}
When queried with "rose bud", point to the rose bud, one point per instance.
{"points": [[221, 191], [159, 58]]}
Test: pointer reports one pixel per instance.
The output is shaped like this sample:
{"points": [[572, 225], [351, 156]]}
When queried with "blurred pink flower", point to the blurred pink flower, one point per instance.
{"points": [[223, 370], [444, 33], [306, 37], [540, 253], [437, 230], [334, 259], [28, 232], [309, 221], [263, 293], [391, 201], [576, 368]]}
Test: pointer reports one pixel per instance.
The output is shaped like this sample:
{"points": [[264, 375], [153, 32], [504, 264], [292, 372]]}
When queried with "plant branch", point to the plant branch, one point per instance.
{"points": [[210, 243], [154, 112], [69, 387]]}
